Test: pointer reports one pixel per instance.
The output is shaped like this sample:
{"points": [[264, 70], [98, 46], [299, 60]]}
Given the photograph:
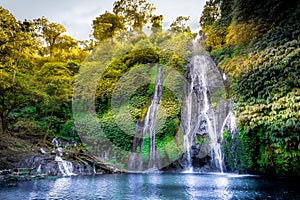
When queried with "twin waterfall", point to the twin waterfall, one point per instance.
{"points": [[135, 159], [200, 118], [205, 114], [150, 120]]}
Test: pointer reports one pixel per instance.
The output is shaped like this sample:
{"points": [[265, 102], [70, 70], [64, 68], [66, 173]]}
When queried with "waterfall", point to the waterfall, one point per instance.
{"points": [[199, 118], [65, 167], [230, 124], [135, 162], [150, 119], [204, 109], [94, 169], [39, 169]]}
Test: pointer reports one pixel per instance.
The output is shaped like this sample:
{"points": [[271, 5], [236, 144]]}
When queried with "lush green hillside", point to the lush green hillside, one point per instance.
{"points": [[257, 43], [41, 69], [124, 93]]}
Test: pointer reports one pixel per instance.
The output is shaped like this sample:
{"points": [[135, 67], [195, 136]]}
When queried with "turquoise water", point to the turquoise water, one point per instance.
{"points": [[155, 186]]}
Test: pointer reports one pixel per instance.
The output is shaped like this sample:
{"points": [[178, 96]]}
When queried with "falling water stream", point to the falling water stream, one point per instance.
{"points": [[198, 110], [230, 123], [150, 119], [199, 117], [65, 167], [135, 162]]}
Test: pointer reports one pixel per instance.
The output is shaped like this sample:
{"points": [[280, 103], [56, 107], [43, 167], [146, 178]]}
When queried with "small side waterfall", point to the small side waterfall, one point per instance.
{"points": [[230, 124], [39, 169], [135, 162], [65, 167], [150, 119]]}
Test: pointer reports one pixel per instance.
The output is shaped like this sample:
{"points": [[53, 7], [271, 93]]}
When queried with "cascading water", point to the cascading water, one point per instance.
{"points": [[150, 119], [203, 112], [230, 124], [39, 169], [135, 161], [65, 167], [199, 117]]}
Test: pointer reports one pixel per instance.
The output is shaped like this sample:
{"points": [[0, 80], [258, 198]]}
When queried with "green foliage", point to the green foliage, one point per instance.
{"points": [[59, 47], [174, 50], [222, 54], [168, 148], [237, 158], [126, 86], [268, 105], [240, 33], [146, 149], [211, 13], [262, 9], [138, 103], [120, 66], [260, 54], [107, 25], [179, 25], [16, 46], [136, 13], [115, 134], [37, 65], [156, 22], [201, 140], [68, 132], [215, 35]]}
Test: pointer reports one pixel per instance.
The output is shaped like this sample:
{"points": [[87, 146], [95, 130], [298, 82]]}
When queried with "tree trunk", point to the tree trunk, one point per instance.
{"points": [[3, 122], [48, 128]]}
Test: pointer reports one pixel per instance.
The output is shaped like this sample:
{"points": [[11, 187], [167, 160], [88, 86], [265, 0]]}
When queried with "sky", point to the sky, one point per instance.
{"points": [[77, 15]]}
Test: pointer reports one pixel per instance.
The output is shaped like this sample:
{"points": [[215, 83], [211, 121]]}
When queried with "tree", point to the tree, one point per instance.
{"points": [[16, 48], [107, 25], [215, 20], [136, 13], [179, 25], [68, 49], [49, 33], [211, 13], [55, 44], [156, 22], [56, 88], [227, 7]]}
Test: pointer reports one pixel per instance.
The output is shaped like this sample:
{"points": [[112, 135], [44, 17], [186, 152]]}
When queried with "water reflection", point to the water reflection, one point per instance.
{"points": [[101, 187], [147, 186], [190, 182], [34, 193], [60, 187], [155, 186], [134, 183], [223, 189], [155, 181]]}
